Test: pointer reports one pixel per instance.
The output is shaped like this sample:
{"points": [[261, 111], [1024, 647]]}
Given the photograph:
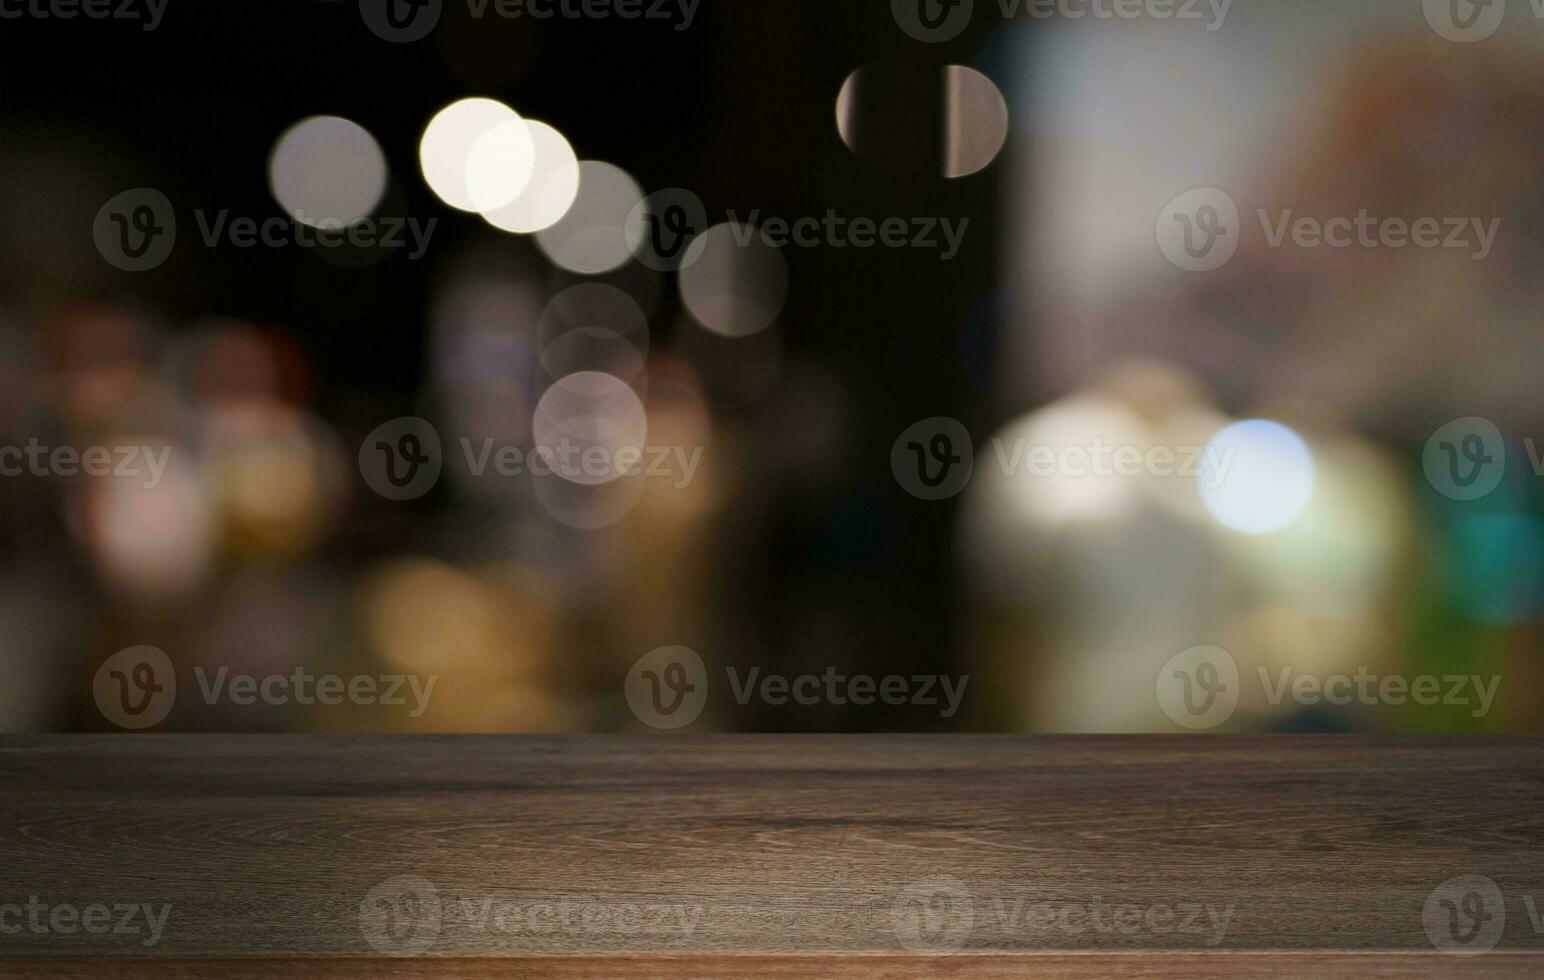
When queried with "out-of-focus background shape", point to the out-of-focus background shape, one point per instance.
{"points": [[775, 378]]}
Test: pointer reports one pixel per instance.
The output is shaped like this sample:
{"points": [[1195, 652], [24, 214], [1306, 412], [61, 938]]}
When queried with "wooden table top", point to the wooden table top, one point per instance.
{"points": [[753, 856]]}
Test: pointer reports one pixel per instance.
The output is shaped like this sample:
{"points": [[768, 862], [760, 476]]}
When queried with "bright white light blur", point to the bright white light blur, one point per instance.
{"points": [[498, 170], [593, 237], [327, 171], [734, 289], [1257, 476], [476, 154], [551, 190]]}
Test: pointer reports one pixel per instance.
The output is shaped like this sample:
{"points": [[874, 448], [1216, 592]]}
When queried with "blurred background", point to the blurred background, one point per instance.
{"points": [[267, 376]]}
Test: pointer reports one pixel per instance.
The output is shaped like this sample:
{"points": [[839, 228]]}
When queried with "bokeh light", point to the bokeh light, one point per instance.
{"points": [[551, 189], [1257, 476], [737, 284], [476, 154], [592, 237], [326, 171], [975, 121]]}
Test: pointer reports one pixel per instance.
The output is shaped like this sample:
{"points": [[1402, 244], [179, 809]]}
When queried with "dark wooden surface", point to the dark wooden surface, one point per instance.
{"points": [[751, 855]]}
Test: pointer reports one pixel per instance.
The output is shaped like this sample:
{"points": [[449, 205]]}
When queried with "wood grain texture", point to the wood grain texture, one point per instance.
{"points": [[746, 855]]}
